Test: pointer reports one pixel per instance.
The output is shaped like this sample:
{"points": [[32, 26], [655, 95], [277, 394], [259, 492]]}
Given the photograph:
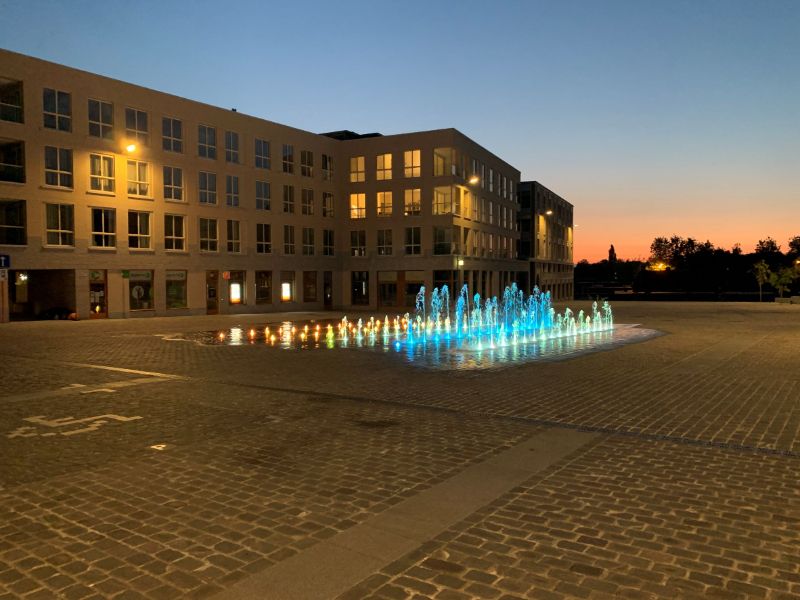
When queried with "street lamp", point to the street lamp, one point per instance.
{"points": [[130, 148], [474, 180]]}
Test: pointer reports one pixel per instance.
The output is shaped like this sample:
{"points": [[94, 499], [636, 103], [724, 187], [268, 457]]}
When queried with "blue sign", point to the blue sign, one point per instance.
{"points": [[5, 261]]}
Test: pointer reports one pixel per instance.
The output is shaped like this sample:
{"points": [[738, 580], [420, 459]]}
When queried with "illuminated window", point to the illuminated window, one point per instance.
{"points": [[491, 180], [357, 169], [234, 238], [307, 202], [57, 109], [101, 173], [384, 205], [174, 232], [206, 141], [413, 240], [101, 119], [443, 162], [384, 242], [358, 243], [263, 238], [288, 158], [288, 199], [262, 156], [58, 166], [173, 183], [306, 163], [232, 190], [207, 185], [263, 193], [308, 241], [287, 286], [136, 127], [209, 242], [411, 163], [138, 230], [236, 287], [442, 200], [412, 202], [383, 167], [171, 134], [358, 206], [288, 239], [231, 147], [138, 178], [327, 204]]}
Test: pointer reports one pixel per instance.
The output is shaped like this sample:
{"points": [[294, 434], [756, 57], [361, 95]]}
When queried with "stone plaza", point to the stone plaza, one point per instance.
{"points": [[137, 464]]}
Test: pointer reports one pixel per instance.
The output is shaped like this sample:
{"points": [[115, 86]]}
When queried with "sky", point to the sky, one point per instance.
{"points": [[652, 118]]}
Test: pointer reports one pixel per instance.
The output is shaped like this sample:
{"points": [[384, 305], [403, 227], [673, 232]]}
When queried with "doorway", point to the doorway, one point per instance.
{"points": [[98, 294], [212, 292], [327, 289]]}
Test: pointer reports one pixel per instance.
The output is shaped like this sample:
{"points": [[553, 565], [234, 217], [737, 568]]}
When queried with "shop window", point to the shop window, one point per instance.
{"points": [[287, 286], [263, 287], [236, 287], [309, 286], [176, 289], [140, 286]]}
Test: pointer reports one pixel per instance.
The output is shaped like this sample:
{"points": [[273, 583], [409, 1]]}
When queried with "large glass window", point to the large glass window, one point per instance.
{"points": [[101, 119], [12, 161], [384, 242], [327, 167], [359, 287], [306, 163], [262, 156], [209, 240], [234, 239], [263, 195], [231, 147], [12, 222], [138, 230], [357, 169], [358, 206], [383, 167], [11, 101], [444, 162], [138, 178], [288, 158], [140, 286], [412, 202], [263, 287], [263, 238], [60, 225], [101, 172], [176, 289], [413, 240], [172, 135], [287, 286], [358, 243], [327, 242], [173, 184], [442, 200], [384, 204], [174, 232], [237, 287], [206, 141], [411, 163], [327, 204], [308, 241], [207, 184], [104, 228], [288, 239], [57, 109], [232, 190], [442, 240], [288, 198], [58, 166], [136, 126], [307, 202]]}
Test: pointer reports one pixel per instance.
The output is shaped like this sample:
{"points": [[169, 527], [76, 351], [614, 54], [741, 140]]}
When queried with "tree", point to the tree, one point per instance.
{"points": [[763, 275], [767, 246], [794, 245], [782, 280]]}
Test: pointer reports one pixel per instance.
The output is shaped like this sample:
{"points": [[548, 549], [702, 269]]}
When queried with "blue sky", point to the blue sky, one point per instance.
{"points": [[653, 118]]}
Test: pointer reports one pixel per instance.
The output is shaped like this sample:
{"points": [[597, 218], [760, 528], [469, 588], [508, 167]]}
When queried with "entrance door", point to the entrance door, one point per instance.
{"points": [[327, 289], [212, 292], [98, 294]]}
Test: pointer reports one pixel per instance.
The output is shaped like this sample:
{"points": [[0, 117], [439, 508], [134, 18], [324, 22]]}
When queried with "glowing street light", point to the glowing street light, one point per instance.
{"points": [[130, 148], [474, 180], [548, 212]]}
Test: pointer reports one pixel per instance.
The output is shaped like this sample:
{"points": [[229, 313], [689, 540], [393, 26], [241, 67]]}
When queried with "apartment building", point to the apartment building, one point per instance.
{"points": [[121, 201], [546, 239]]}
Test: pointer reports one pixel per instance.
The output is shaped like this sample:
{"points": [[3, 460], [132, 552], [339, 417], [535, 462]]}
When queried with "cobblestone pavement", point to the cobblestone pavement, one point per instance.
{"points": [[134, 466]]}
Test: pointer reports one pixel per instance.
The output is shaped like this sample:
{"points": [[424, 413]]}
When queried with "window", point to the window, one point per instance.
{"points": [[411, 163], [444, 162], [57, 110], [309, 286], [136, 126], [357, 169], [206, 141], [208, 188], [327, 204], [173, 184], [491, 180], [104, 228], [138, 178], [231, 147], [263, 193], [307, 202], [413, 240], [232, 190], [174, 233], [172, 138], [140, 288], [208, 235], [288, 199], [101, 173], [359, 287], [358, 243], [12, 161], [442, 200], [384, 242], [327, 167], [412, 203], [308, 241], [101, 119], [306, 163], [358, 206], [176, 289], [491, 213], [263, 287], [384, 204], [287, 286], [12, 222], [11, 101], [327, 242], [233, 238], [138, 230], [442, 240], [263, 238], [60, 225], [58, 166], [288, 158], [288, 239], [383, 167], [262, 154]]}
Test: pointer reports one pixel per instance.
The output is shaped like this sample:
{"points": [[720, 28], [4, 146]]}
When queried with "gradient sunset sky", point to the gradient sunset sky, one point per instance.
{"points": [[652, 118]]}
